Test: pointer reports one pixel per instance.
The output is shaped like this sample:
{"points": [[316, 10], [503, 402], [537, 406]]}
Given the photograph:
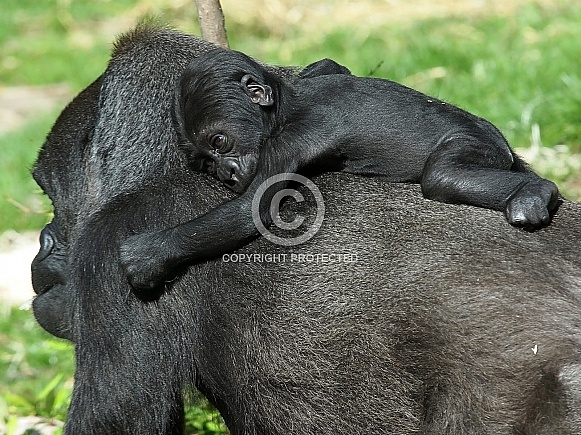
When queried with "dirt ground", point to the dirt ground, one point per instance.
{"points": [[16, 254]]}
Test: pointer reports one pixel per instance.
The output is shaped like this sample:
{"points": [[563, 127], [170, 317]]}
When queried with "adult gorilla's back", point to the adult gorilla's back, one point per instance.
{"points": [[449, 320]]}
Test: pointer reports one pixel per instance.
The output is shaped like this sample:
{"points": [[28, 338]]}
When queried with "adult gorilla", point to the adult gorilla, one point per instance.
{"points": [[450, 320]]}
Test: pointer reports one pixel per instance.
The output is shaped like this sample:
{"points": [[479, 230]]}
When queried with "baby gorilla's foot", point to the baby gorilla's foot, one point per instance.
{"points": [[530, 207], [145, 263]]}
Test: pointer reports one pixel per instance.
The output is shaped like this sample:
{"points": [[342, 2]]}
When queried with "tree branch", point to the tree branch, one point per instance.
{"points": [[211, 20]]}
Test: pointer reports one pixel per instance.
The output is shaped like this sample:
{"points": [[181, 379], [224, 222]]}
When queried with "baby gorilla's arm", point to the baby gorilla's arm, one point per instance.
{"points": [[151, 258]]}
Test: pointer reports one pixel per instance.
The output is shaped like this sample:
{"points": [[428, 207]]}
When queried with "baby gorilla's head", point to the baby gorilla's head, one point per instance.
{"points": [[222, 111]]}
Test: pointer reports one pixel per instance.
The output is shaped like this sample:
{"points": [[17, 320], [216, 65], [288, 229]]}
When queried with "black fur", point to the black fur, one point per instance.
{"points": [[430, 331], [323, 67], [248, 125]]}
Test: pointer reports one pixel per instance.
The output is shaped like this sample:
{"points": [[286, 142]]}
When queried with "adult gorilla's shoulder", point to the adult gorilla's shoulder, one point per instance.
{"points": [[430, 329]]}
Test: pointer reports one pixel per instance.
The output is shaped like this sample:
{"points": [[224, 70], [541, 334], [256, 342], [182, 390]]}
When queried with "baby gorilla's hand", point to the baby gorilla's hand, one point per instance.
{"points": [[531, 206], [144, 259]]}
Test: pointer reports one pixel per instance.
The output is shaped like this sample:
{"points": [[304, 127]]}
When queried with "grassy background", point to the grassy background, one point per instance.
{"points": [[514, 63]]}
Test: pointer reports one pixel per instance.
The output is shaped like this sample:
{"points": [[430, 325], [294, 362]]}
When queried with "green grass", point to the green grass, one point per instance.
{"points": [[22, 205], [520, 72], [36, 369], [37, 376]]}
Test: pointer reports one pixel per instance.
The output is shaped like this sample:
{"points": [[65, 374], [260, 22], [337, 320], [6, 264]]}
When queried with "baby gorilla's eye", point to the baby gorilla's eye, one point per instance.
{"points": [[220, 143]]}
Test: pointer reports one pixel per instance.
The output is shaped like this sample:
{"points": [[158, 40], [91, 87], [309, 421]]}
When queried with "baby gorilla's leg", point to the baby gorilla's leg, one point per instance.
{"points": [[465, 170]]}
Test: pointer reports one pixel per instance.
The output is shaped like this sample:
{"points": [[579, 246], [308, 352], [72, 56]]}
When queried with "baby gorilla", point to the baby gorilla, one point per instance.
{"points": [[244, 125]]}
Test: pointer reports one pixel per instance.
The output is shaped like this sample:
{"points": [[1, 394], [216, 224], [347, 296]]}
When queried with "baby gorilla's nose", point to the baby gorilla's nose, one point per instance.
{"points": [[229, 173], [228, 169]]}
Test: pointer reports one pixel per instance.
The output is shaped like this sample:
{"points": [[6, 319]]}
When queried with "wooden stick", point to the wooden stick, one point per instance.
{"points": [[211, 20]]}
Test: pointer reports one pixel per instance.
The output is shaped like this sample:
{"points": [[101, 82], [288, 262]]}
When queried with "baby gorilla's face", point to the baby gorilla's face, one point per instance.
{"points": [[224, 114], [236, 172], [228, 155]]}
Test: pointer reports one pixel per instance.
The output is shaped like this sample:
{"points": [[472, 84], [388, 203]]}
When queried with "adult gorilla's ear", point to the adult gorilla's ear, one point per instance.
{"points": [[259, 93]]}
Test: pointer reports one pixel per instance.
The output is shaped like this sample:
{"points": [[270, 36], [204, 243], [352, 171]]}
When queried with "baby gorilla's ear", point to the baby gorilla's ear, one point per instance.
{"points": [[259, 93]]}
